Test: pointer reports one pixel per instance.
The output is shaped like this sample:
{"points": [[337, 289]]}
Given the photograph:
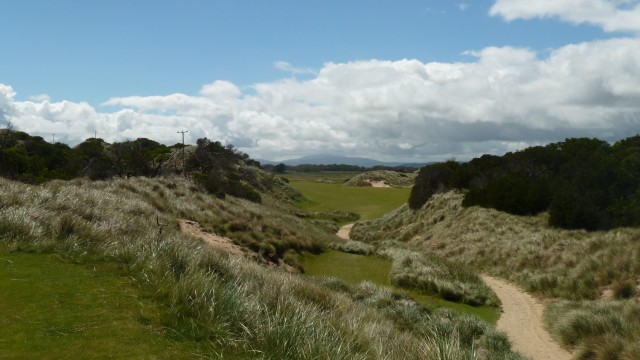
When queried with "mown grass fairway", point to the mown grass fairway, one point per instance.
{"points": [[51, 309], [355, 269], [368, 202], [335, 177]]}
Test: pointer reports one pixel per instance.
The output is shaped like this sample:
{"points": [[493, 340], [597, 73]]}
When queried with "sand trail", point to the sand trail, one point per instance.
{"points": [[521, 320]]}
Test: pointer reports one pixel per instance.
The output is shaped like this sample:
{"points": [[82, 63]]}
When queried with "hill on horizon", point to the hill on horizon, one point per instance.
{"points": [[326, 159]]}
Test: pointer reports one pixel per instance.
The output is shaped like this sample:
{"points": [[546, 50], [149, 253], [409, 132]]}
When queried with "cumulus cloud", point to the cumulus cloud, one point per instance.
{"points": [[610, 15], [503, 99]]}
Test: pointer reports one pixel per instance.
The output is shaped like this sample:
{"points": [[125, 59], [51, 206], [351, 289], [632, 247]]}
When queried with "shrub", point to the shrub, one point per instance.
{"points": [[430, 180]]}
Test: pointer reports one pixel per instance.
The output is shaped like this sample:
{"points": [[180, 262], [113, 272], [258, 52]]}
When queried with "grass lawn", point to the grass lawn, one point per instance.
{"points": [[368, 202], [51, 309], [335, 177], [355, 269]]}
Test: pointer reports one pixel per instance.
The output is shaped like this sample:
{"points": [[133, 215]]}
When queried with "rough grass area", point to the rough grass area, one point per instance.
{"points": [[390, 178], [369, 203], [586, 267], [225, 305], [57, 310], [598, 329], [436, 276], [356, 268], [526, 250]]}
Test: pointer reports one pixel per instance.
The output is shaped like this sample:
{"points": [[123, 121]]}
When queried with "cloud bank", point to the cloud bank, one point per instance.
{"points": [[502, 99], [610, 15]]}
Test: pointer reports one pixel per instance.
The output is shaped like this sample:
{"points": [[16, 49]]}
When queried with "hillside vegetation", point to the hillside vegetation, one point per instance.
{"points": [[582, 183], [586, 268], [218, 305], [230, 305]]}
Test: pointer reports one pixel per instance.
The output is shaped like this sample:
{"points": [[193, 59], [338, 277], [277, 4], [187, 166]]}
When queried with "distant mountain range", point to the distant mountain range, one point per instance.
{"points": [[340, 160]]}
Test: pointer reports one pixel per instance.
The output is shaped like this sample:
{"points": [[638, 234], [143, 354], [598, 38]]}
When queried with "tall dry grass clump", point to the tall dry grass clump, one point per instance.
{"points": [[597, 329], [236, 306], [437, 276]]}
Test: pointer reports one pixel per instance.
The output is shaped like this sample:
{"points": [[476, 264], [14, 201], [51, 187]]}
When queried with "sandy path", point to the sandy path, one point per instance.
{"points": [[227, 246], [344, 232], [521, 320], [219, 243]]}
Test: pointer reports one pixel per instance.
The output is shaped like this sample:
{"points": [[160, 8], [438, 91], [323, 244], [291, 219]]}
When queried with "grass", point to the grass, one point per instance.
{"points": [[352, 268], [54, 309], [543, 260], [432, 275], [356, 268], [390, 178], [218, 305], [598, 329], [581, 267], [369, 203], [329, 177]]}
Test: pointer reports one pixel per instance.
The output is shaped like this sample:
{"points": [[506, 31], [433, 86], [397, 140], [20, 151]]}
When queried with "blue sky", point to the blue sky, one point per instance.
{"points": [[269, 76]]}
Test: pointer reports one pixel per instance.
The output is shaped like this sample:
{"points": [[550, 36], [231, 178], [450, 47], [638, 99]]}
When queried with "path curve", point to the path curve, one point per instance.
{"points": [[521, 320], [344, 231]]}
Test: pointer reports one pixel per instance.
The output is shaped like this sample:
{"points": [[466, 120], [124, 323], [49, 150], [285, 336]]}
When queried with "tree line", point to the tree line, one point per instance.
{"points": [[583, 183], [220, 169], [312, 168]]}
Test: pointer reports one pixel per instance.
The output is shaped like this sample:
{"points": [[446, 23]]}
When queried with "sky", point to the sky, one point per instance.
{"points": [[401, 80]]}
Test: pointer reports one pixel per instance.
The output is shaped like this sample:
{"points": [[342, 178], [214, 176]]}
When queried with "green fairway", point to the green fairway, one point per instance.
{"points": [[50, 309], [368, 202], [334, 177]]}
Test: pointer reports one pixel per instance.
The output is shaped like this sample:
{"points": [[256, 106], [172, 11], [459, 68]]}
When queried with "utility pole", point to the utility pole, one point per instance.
{"points": [[54, 138], [184, 167]]}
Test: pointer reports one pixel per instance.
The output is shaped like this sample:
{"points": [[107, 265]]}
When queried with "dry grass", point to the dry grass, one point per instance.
{"points": [[544, 260], [235, 305], [572, 265]]}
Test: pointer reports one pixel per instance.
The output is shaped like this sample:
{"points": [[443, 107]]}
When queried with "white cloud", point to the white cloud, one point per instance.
{"points": [[221, 90], [610, 15], [463, 6], [503, 99], [287, 67], [39, 98]]}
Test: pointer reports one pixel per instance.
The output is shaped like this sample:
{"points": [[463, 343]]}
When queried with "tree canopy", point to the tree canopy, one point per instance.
{"points": [[583, 183], [220, 169]]}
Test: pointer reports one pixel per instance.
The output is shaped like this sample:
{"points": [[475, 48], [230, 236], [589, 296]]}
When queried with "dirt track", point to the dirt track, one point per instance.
{"points": [[521, 320]]}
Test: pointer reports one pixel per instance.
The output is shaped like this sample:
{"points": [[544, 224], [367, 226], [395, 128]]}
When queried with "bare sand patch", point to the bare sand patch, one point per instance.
{"points": [[344, 232], [379, 184]]}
